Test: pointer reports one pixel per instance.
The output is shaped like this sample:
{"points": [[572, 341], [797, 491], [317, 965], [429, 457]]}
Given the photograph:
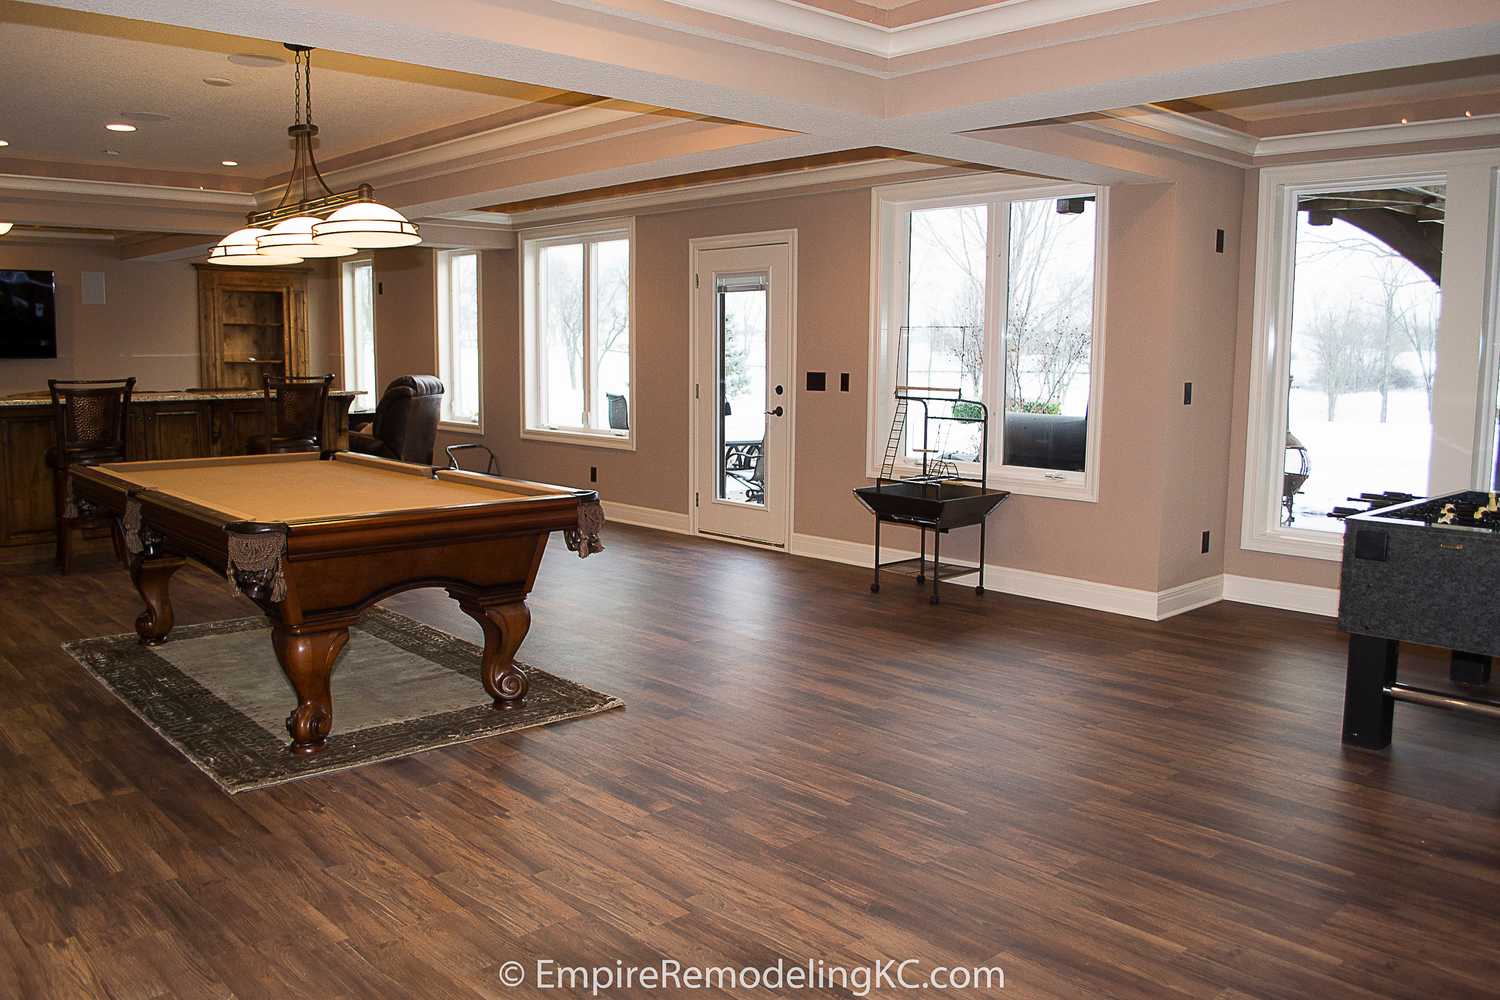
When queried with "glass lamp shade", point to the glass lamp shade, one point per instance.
{"points": [[5, 227], [366, 225], [294, 237], [238, 249]]}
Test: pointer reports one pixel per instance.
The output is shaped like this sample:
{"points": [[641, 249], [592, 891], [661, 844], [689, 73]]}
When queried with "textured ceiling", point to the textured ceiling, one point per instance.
{"points": [[65, 75]]}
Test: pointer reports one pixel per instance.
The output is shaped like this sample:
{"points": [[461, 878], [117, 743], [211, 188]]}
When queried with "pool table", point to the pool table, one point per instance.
{"points": [[314, 540]]}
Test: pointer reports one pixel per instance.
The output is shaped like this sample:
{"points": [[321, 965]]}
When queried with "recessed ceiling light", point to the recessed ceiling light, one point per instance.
{"points": [[255, 59], [230, 163], [111, 152], [218, 81], [4, 143], [120, 127]]}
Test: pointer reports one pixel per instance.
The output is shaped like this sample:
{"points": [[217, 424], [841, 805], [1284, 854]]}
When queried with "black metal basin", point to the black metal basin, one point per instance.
{"points": [[941, 506]]}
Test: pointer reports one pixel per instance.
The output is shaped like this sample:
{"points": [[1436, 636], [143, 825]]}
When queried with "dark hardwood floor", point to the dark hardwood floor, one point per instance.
{"points": [[1104, 807]]}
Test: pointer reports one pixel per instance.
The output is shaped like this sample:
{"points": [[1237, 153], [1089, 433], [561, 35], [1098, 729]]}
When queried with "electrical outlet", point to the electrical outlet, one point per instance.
{"points": [[1205, 542], [843, 381], [1187, 394], [593, 473], [1218, 241]]}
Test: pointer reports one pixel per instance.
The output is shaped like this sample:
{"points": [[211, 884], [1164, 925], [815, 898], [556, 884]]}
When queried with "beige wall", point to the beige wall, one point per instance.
{"points": [[148, 326], [1170, 318], [1238, 561]]}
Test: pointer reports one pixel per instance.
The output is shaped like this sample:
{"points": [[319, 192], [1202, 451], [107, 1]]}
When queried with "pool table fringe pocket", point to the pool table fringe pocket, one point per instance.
{"points": [[585, 538], [130, 526], [255, 561]]}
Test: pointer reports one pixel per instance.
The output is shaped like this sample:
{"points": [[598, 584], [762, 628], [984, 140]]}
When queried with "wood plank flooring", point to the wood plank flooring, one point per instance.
{"points": [[1103, 807]]}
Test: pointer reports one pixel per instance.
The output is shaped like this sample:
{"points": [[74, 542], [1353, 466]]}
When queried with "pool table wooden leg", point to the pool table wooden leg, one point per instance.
{"points": [[152, 576], [308, 658], [505, 622]]}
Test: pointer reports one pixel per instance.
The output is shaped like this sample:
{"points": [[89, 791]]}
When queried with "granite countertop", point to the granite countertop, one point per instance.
{"points": [[163, 396]]}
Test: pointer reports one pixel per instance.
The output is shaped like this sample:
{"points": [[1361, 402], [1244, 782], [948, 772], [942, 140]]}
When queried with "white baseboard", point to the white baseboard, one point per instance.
{"points": [[1090, 594], [1147, 604], [647, 517], [1286, 596], [1187, 596]]}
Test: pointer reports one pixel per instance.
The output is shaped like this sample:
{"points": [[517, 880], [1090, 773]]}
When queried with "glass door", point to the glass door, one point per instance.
{"points": [[742, 393]]}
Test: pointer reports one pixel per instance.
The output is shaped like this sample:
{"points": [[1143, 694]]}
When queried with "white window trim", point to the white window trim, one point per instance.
{"points": [[1464, 436], [529, 241], [346, 325], [441, 295], [890, 204]]}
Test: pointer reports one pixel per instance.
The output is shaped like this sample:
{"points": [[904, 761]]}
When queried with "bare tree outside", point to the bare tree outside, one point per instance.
{"points": [[1362, 366], [1049, 331]]}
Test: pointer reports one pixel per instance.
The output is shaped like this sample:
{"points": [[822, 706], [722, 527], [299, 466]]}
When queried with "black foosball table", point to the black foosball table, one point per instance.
{"points": [[1422, 571]]}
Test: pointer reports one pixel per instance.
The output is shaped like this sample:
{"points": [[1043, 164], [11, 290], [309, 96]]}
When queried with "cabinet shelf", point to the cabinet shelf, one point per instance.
{"points": [[251, 324]]}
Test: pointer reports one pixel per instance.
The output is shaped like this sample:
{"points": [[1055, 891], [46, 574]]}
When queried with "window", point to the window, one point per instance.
{"points": [[576, 308], [1370, 295], [358, 295], [988, 297], [458, 335]]}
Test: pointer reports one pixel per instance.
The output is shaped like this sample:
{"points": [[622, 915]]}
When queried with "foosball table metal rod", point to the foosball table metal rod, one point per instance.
{"points": [[1436, 699]]}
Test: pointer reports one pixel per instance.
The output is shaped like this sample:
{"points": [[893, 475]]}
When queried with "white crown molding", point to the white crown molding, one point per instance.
{"points": [[56, 236], [466, 152], [26, 185], [908, 39], [748, 188], [1380, 135], [1184, 126]]}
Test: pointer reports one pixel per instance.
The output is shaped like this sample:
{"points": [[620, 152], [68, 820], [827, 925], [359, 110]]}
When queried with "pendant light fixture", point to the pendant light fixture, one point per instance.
{"points": [[311, 219]]}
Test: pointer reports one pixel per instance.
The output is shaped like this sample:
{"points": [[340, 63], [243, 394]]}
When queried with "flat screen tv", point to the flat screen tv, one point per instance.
{"points": [[28, 314]]}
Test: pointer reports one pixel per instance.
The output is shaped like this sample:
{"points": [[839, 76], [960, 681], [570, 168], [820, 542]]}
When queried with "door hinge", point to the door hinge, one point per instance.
{"points": [[695, 390], [695, 282], [695, 499]]}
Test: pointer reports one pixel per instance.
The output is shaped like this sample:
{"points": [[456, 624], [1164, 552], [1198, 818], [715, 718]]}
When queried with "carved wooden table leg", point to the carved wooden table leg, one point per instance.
{"points": [[308, 658], [152, 576], [505, 623]]}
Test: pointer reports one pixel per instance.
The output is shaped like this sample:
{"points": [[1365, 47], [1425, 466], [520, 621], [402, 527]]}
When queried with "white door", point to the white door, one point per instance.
{"points": [[742, 393]]}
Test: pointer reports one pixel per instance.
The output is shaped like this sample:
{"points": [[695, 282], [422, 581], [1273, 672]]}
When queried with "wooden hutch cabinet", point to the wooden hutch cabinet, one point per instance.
{"points": [[251, 322]]}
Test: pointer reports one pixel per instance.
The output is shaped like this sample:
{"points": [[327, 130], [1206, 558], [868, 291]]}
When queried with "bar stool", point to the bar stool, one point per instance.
{"points": [[91, 430], [295, 408]]}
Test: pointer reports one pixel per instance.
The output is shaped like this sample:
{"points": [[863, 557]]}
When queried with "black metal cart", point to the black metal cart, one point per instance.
{"points": [[939, 498]]}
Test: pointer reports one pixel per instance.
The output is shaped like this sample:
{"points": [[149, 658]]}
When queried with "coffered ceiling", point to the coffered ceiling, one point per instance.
{"points": [[453, 106], [198, 98]]}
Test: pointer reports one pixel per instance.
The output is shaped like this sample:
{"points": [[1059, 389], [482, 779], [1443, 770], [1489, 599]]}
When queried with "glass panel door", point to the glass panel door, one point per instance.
{"points": [[742, 361]]}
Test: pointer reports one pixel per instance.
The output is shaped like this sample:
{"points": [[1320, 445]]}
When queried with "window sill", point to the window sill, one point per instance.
{"points": [[1303, 544], [1081, 489], [586, 439], [459, 427]]}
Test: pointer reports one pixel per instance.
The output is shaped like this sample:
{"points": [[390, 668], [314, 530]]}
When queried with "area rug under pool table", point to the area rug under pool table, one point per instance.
{"points": [[217, 694]]}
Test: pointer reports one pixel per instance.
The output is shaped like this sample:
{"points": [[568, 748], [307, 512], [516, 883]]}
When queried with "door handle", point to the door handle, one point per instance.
{"points": [[775, 413]]}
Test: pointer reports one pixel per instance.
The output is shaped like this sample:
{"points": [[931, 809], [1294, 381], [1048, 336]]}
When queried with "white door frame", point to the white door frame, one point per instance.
{"points": [[737, 242]]}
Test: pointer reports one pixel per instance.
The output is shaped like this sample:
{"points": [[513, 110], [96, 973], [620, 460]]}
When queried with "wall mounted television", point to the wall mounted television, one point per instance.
{"points": [[28, 314]]}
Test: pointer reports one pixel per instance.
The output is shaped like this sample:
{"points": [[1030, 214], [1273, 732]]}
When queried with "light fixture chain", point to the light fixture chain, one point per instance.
{"points": [[297, 87], [308, 55]]}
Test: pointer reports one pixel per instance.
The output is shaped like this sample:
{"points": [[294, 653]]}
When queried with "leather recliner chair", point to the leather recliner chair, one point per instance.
{"points": [[406, 420]]}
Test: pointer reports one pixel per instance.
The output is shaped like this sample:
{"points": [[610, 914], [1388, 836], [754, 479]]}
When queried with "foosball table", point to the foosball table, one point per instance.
{"points": [[1420, 570]]}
